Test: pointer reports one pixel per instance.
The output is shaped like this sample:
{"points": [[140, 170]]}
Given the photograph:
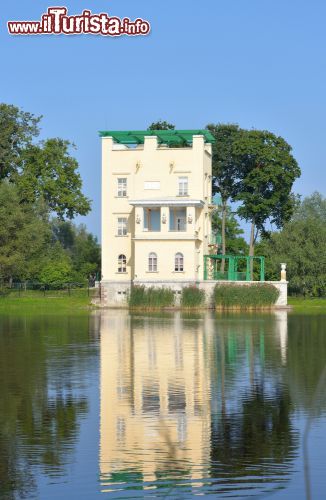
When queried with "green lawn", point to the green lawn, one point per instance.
{"points": [[307, 305], [54, 301]]}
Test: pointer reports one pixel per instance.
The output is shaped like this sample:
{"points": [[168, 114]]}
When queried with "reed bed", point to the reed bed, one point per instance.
{"points": [[257, 296], [192, 297], [151, 298]]}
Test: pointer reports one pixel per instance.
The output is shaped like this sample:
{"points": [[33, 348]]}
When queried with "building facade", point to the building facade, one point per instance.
{"points": [[156, 205]]}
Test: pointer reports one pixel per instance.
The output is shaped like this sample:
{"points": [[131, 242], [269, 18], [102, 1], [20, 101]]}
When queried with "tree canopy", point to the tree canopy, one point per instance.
{"points": [[225, 169], [34, 248], [50, 172], [39, 180], [43, 169], [255, 168], [268, 171], [17, 131], [301, 245], [24, 234], [161, 125]]}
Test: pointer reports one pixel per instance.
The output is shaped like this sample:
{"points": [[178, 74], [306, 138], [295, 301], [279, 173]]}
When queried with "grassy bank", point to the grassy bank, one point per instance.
{"points": [[59, 301], [301, 304], [53, 302]]}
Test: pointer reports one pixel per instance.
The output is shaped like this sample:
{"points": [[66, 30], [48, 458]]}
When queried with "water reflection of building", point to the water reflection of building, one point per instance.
{"points": [[200, 401], [155, 398]]}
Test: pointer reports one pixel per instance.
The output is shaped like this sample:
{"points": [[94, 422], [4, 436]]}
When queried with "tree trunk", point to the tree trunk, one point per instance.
{"points": [[224, 207], [252, 249]]}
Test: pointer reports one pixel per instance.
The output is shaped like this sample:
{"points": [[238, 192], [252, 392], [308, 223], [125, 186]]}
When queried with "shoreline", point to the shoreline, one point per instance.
{"points": [[80, 302]]}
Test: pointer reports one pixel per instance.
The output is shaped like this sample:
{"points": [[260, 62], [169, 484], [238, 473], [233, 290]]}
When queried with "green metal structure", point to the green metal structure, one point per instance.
{"points": [[169, 137], [232, 263]]}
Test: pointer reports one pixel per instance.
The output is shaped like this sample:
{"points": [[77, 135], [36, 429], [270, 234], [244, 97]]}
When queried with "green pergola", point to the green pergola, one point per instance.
{"points": [[232, 262], [178, 137]]}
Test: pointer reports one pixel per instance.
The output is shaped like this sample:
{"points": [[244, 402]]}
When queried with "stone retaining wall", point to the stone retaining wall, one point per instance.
{"points": [[115, 293], [282, 286]]}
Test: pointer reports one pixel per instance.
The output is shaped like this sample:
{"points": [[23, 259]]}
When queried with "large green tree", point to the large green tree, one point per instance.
{"points": [[301, 244], [81, 247], [51, 172], [40, 169], [268, 171], [33, 248], [17, 131], [226, 168], [24, 234]]}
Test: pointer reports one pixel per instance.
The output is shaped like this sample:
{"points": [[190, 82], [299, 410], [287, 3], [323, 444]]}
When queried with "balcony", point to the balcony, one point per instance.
{"points": [[152, 219], [178, 220], [169, 221]]}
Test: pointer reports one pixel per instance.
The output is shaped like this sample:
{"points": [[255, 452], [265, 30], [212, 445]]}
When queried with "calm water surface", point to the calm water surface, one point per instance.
{"points": [[113, 405]]}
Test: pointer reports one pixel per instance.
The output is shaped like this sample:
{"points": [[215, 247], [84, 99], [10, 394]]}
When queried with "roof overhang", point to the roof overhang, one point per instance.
{"points": [[171, 137], [164, 202]]}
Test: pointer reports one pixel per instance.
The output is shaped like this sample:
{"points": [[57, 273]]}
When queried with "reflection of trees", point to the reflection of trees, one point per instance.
{"points": [[238, 343], [251, 431], [255, 439], [306, 358], [39, 413], [259, 430]]}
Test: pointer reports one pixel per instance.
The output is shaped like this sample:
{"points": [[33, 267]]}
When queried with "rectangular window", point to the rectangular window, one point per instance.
{"points": [[122, 187], [183, 186], [152, 262], [152, 185], [178, 262], [122, 226]]}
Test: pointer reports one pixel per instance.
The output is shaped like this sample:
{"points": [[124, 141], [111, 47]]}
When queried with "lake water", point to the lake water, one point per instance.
{"points": [[113, 405]]}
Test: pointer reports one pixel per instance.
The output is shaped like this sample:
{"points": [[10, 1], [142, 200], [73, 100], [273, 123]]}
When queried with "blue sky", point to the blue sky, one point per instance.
{"points": [[259, 63]]}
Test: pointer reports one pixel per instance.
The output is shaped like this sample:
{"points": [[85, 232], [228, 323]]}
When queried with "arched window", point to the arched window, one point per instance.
{"points": [[152, 262], [178, 262], [122, 264]]}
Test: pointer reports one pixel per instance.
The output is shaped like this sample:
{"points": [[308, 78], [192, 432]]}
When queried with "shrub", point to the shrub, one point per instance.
{"points": [[150, 298], [56, 273], [246, 296], [192, 297]]}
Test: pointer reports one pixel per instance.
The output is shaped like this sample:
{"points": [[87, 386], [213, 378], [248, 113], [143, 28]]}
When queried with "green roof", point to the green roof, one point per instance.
{"points": [[164, 136]]}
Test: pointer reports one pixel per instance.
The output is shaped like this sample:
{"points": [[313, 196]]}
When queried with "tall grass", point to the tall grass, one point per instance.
{"points": [[245, 297], [141, 297], [192, 297]]}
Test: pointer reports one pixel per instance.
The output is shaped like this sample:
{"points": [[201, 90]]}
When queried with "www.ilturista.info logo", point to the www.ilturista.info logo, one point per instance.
{"points": [[57, 22]]}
